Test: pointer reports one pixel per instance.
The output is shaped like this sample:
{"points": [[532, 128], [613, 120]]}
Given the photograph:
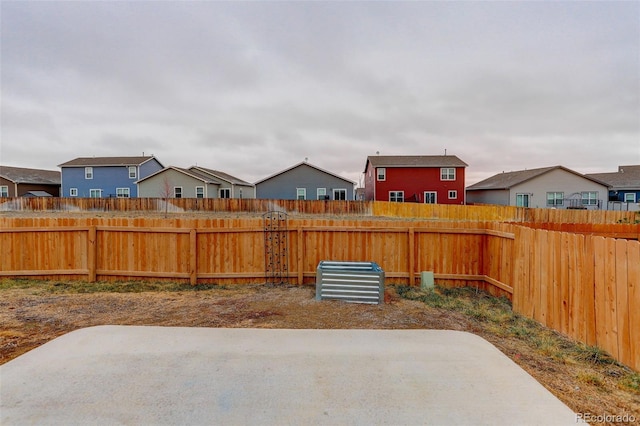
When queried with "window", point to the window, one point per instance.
{"points": [[225, 193], [430, 197], [240, 193], [88, 172], [447, 173], [453, 195], [301, 193], [73, 192], [4, 191], [630, 197], [382, 173], [396, 196], [590, 198], [199, 191], [122, 192], [522, 200], [340, 194], [177, 192], [95, 193], [132, 172], [321, 193], [555, 199]]}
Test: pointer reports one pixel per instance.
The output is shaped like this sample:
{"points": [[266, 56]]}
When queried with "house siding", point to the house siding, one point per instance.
{"points": [[414, 181], [498, 197], [105, 178], [558, 181], [283, 186], [162, 186]]}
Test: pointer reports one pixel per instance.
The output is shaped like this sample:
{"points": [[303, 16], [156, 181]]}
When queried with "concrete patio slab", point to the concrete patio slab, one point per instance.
{"points": [[197, 376]]}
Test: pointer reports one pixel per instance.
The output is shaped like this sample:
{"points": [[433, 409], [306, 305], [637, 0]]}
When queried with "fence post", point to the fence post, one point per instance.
{"points": [[300, 242], [412, 244], [193, 257], [92, 248]]}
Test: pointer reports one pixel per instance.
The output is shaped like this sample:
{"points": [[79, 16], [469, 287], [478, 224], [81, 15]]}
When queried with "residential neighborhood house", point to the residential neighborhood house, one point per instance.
{"points": [[102, 177], [624, 185], [23, 182], [194, 182], [305, 181], [553, 187], [435, 179]]}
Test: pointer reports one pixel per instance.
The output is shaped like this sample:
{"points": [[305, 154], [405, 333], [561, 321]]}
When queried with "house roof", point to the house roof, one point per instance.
{"points": [[32, 176], [510, 179], [627, 177], [107, 161], [37, 194], [192, 173], [221, 175], [304, 163], [414, 161]]}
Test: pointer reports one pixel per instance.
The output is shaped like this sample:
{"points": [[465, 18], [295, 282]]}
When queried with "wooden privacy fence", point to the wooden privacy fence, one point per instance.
{"points": [[360, 208], [233, 250], [584, 286]]}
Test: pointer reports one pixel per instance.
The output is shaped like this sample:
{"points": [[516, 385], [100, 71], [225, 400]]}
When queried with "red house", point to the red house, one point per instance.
{"points": [[415, 178]]}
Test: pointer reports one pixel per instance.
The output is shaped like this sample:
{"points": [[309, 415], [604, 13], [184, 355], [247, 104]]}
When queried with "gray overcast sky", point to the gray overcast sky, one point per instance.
{"points": [[251, 88]]}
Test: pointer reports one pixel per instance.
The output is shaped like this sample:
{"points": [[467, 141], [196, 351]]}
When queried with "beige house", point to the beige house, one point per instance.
{"points": [[551, 187], [194, 182]]}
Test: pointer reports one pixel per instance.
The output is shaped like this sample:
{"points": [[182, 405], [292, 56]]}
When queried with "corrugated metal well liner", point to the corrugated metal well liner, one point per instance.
{"points": [[361, 282]]}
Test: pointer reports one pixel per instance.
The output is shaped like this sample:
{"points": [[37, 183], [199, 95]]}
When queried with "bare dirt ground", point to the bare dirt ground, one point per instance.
{"points": [[30, 318]]}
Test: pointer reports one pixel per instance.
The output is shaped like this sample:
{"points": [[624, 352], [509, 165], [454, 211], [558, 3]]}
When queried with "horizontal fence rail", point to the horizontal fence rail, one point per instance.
{"points": [[582, 283], [359, 208]]}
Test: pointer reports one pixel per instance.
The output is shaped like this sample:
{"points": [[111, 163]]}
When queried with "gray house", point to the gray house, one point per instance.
{"points": [[194, 182], [553, 187], [305, 181]]}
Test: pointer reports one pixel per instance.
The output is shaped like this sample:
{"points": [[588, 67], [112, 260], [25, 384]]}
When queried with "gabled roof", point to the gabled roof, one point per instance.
{"points": [[627, 177], [414, 161], [191, 173], [107, 161], [32, 176], [221, 175], [304, 163], [510, 179]]}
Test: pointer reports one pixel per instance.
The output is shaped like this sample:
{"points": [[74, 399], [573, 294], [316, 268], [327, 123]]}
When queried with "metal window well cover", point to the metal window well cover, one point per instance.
{"points": [[358, 282]]}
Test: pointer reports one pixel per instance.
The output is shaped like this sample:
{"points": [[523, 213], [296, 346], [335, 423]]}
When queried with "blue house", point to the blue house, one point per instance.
{"points": [[102, 177], [304, 181], [625, 184]]}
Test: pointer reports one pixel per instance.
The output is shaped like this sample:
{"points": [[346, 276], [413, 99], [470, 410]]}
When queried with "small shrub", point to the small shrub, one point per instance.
{"points": [[591, 379]]}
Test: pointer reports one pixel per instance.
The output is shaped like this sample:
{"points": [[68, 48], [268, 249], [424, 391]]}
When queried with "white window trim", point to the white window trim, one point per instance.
{"points": [[555, 199], [454, 192], [88, 172], [527, 195], [401, 193], [135, 172], [96, 189], [633, 197], [447, 178], [339, 190], [125, 190], [435, 197], [221, 190], [4, 191], [318, 194], [175, 188], [202, 188], [589, 201], [304, 193], [381, 174], [73, 192]]}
